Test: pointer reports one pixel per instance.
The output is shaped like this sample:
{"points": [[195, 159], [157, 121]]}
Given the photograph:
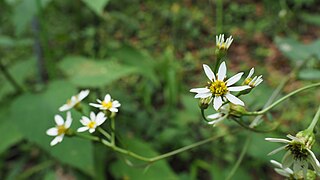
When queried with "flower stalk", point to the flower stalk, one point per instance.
{"points": [[314, 121]]}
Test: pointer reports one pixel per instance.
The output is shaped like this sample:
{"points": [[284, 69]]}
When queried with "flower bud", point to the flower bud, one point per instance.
{"points": [[204, 103]]}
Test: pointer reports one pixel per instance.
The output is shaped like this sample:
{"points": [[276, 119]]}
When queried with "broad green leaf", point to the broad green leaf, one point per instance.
{"points": [[138, 59], [96, 5], [33, 114], [158, 170], [86, 72], [20, 72], [24, 11], [297, 51], [309, 74], [10, 134]]}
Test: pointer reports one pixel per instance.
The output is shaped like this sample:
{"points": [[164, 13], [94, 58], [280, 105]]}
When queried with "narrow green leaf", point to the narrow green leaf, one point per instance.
{"points": [[96, 5]]}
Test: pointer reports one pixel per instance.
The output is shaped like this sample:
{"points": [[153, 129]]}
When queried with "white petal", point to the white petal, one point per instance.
{"points": [[82, 129], [208, 72], [83, 94], [250, 73], [92, 116], [277, 140], [91, 130], [59, 120], [238, 88], [200, 90], [85, 120], [95, 105], [222, 72], [314, 161], [276, 163], [68, 120], [214, 116], [99, 101], [56, 140], [113, 109], [107, 98], [217, 102], [203, 95], [287, 160], [233, 99], [100, 118], [234, 79], [217, 121], [65, 107], [52, 131], [116, 104], [276, 150], [282, 172]]}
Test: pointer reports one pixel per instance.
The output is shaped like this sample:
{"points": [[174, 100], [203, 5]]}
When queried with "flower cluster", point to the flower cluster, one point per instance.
{"points": [[108, 105], [298, 154], [219, 88]]}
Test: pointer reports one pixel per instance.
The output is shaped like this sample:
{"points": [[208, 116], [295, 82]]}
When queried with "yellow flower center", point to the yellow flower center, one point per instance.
{"points": [[91, 124], [106, 105], [68, 101], [247, 81], [218, 88], [61, 129]]}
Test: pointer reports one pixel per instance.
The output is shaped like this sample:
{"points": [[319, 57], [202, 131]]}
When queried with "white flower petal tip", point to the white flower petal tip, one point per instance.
{"points": [[60, 129], [254, 81], [208, 72], [107, 104], [74, 100]]}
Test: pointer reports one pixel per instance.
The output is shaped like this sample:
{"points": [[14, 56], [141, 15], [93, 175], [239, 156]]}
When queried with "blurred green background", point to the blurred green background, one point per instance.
{"points": [[148, 55]]}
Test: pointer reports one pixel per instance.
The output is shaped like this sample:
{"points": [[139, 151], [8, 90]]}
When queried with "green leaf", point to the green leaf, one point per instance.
{"points": [[297, 51], [157, 170], [24, 11], [313, 19], [309, 74], [6, 41], [8, 138], [33, 114], [93, 73], [96, 5]]}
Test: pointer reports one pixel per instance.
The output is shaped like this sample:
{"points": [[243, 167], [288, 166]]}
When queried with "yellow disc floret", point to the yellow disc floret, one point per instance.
{"points": [[106, 105], [91, 124], [61, 129], [218, 88]]}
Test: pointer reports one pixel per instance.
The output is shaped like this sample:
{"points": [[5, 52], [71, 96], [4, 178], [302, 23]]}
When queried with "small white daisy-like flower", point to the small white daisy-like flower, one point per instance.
{"points": [[218, 88], [74, 100], [61, 128], [107, 104], [298, 153], [219, 116], [221, 44], [92, 123], [253, 82]]}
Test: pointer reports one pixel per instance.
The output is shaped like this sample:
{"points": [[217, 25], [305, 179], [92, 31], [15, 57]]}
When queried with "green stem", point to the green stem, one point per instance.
{"points": [[219, 13], [105, 133], [32, 170], [85, 136], [10, 78], [203, 115], [314, 120], [281, 100], [243, 152], [153, 159], [113, 128], [253, 129]]}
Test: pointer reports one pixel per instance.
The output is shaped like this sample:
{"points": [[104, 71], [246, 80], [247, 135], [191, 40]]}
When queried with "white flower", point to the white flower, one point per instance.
{"points": [[298, 153], [107, 104], [74, 101], [219, 116], [219, 88], [221, 44], [253, 82], [92, 123], [287, 172], [61, 128]]}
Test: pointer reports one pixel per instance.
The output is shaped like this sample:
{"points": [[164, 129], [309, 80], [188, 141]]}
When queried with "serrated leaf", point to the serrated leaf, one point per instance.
{"points": [[96, 5], [93, 73], [33, 114], [157, 170]]}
